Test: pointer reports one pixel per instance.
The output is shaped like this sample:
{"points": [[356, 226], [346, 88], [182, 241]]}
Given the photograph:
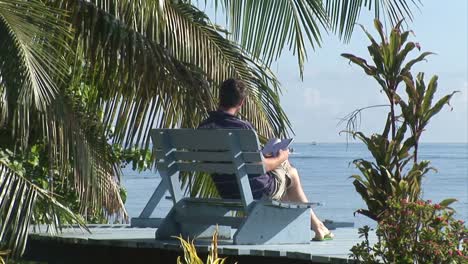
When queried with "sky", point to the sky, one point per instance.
{"points": [[332, 88]]}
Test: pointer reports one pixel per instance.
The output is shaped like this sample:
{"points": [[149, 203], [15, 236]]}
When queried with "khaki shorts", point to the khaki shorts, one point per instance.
{"points": [[282, 178]]}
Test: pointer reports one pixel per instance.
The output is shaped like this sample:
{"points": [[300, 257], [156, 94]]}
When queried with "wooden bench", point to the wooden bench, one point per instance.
{"points": [[220, 151]]}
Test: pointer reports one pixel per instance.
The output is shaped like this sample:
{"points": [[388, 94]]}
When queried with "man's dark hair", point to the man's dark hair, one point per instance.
{"points": [[232, 92]]}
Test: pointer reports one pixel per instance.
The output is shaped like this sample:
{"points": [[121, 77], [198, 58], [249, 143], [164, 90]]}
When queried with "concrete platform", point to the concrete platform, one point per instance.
{"points": [[112, 240]]}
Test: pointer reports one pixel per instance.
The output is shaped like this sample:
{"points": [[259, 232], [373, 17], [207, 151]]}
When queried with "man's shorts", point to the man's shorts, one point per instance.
{"points": [[282, 180]]}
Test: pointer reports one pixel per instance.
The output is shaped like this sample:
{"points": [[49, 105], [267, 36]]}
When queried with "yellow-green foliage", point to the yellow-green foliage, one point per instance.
{"points": [[191, 256], [3, 253]]}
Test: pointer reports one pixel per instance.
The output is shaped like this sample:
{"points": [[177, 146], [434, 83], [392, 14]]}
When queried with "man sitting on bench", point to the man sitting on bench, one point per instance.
{"points": [[281, 182]]}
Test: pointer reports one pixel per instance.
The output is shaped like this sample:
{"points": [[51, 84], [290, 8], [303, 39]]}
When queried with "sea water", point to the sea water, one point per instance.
{"points": [[325, 171]]}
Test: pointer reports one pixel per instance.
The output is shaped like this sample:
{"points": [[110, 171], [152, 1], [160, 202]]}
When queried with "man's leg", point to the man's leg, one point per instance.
{"points": [[295, 193]]}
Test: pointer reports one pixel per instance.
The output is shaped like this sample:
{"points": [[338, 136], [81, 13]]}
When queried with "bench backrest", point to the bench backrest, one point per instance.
{"points": [[233, 151]]}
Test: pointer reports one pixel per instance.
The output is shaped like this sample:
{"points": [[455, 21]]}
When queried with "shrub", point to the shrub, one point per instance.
{"points": [[191, 256], [415, 232]]}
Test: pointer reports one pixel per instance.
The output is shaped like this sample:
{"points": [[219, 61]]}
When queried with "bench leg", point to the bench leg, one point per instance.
{"points": [[178, 222], [144, 219], [169, 227], [267, 224]]}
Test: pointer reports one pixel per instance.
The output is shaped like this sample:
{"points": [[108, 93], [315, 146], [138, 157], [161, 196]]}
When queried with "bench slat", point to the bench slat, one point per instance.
{"points": [[248, 157], [212, 167], [232, 203], [291, 204], [205, 139]]}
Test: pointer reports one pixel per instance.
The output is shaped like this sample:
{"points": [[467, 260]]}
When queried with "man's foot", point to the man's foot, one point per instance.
{"points": [[322, 233]]}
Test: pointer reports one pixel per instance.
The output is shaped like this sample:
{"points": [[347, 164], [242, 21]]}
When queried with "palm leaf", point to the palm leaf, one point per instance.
{"points": [[222, 59], [345, 14], [265, 28], [140, 84], [3, 105], [18, 197], [31, 62], [36, 53], [169, 91], [79, 147]]}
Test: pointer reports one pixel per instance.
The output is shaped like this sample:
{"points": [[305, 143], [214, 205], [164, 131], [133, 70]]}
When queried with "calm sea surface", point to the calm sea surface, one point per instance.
{"points": [[325, 171]]}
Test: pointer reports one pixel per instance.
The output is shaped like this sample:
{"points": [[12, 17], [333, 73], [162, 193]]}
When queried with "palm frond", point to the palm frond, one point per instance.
{"points": [[138, 80], [167, 89], [344, 14], [18, 197], [31, 62], [34, 79], [265, 28], [222, 59], [3, 105], [80, 149]]}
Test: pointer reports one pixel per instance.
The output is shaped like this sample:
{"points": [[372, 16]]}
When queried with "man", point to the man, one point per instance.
{"points": [[281, 181]]}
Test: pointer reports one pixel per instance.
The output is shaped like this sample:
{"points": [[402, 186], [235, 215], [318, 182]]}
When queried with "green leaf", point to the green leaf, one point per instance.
{"points": [[394, 46], [407, 145], [374, 51], [429, 95], [403, 186], [410, 64], [378, 26], [437, 107], [368, 69], [401, 133], [387, 126], [403, 53], [410, 87], [447, 202], [404, 37], [361, 189], [420, 87]]}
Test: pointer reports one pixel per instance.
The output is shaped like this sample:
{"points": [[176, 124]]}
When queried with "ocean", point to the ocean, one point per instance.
{"points": [[325, 170]]}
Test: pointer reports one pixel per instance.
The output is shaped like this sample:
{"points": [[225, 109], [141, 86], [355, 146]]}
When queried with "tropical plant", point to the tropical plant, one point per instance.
{"points": [[3, 254], [415, 232], [191, 256], [32, 66], [76, 76], [396, 170]]}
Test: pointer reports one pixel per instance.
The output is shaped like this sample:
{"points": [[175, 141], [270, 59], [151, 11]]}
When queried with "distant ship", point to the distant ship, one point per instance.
{"points": [[313, 143]]}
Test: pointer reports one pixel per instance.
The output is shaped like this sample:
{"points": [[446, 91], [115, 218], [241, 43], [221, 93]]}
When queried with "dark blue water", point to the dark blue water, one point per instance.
{"points": [[325, 171]]}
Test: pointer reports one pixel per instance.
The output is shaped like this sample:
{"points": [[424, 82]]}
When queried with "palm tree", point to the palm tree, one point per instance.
{"points": [[78, 76]]}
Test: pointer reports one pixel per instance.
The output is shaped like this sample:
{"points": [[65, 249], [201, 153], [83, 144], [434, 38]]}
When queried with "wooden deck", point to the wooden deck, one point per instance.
{"points": [[122, 243]]}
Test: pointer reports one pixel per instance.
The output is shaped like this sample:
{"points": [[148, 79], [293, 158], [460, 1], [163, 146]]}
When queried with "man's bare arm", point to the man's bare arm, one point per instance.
{"points": [[273, 162]]}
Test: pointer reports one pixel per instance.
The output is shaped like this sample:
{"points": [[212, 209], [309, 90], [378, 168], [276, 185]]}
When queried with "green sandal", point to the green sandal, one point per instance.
{"points": [[325, 238]]}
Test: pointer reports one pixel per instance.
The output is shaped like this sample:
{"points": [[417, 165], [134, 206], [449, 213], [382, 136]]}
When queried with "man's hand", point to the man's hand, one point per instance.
{"points": [[283, 155], [274, 162]]}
